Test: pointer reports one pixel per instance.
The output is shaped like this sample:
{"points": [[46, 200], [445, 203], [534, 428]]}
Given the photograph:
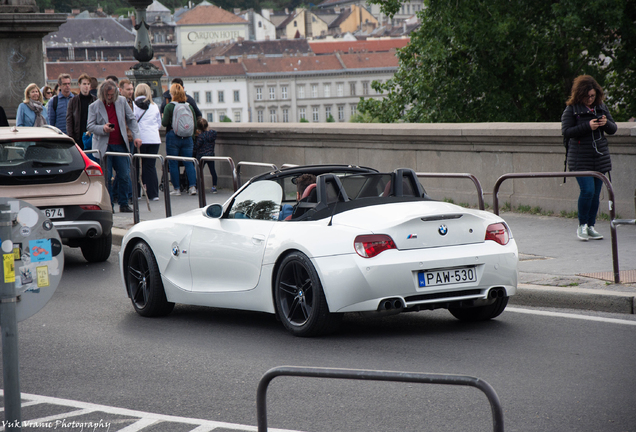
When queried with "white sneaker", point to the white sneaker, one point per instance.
{"points": [[155, 199], [192, 190], [593, 234], [581, 232], [176, 192]]}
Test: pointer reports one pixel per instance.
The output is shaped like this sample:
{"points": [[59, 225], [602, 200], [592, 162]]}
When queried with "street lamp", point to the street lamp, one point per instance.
{"points": [[144, 71]]}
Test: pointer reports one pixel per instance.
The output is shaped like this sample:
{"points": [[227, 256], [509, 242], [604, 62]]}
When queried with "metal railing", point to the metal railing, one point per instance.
{"points": [[610, 192], [166, 186], [371, 375], [164, 176], [480, 191], [253, 164], [204, 159]]}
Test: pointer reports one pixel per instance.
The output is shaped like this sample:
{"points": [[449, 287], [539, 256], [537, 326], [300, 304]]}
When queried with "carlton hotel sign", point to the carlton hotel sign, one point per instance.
{"points": [[191, 39], [213, 36]]}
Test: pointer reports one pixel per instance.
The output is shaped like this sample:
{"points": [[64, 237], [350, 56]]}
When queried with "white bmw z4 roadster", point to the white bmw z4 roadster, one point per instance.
{"points": [[357, 241]]}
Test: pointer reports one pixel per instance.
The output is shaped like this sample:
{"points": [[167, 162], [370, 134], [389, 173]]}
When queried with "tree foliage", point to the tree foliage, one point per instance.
{"points": [[509, 60]]}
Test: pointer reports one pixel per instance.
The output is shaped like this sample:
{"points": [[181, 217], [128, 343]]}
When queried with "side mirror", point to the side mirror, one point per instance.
{"points": [[214, 211]]}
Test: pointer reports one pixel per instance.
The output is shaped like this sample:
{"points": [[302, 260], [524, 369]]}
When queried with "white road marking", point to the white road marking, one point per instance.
{"points": [[571, 315], [145, 419], [139, 425]]}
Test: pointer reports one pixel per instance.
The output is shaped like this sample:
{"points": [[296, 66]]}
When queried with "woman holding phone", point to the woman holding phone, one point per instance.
{"points": [[584, 124]]}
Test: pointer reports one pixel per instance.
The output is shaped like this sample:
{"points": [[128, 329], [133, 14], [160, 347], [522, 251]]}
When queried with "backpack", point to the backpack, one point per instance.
{"points": [[54, 100], [182, 119]]}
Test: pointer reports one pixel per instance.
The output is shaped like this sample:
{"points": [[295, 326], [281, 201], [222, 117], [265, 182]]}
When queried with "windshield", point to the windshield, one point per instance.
{"points": [[260, 200]]}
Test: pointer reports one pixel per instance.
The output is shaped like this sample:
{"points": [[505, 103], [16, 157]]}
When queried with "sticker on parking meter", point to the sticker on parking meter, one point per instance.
{"points": [[37, 249], [9, 268], [17, 251], [26, 277], [56, 247], [43, 276], [7, 246], [40, 250]]}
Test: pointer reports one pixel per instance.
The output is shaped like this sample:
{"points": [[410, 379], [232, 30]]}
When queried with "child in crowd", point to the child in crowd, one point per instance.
{"points": [[204, 146]]}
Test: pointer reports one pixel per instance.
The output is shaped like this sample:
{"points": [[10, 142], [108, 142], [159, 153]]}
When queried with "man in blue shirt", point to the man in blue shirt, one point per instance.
{"points": [[58, 104]]}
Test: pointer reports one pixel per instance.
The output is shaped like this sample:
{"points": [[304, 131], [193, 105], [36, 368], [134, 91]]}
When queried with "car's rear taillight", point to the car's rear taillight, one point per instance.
{"points": [[90, 207], [498, 232], [92, 168], [368, 246]]}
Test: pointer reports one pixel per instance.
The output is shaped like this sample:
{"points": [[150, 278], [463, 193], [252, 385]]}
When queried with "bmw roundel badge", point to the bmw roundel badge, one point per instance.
{"points": [[442, 230], [175, 250]]}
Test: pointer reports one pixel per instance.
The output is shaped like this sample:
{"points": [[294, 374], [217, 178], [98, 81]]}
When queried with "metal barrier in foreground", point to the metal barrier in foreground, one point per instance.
{"points": [[204, 159], [610, 192], [164, 176], [480, 191], [253, 164], [371, 375]]}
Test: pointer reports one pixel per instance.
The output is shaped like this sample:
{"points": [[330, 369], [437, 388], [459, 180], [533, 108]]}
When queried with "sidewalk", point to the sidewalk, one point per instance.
{"points": [[555, 268]]}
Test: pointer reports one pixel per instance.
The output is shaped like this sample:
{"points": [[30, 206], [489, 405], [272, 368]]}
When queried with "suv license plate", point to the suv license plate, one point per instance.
{"points": [[446, 277], [54, 213]]}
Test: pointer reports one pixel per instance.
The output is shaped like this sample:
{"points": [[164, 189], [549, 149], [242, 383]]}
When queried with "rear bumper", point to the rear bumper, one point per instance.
{"points": [[80, 224], [355, 284]]}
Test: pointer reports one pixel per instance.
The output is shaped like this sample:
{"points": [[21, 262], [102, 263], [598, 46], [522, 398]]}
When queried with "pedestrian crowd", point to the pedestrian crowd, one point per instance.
{"points": [[114, 116]]}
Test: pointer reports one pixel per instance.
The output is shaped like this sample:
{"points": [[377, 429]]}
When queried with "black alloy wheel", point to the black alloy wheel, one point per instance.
{"points": [[300, 301], [144, 285]]}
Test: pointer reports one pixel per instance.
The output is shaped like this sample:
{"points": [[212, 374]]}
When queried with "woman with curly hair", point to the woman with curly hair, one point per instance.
{"points": [[584, 124], [32, 111]]}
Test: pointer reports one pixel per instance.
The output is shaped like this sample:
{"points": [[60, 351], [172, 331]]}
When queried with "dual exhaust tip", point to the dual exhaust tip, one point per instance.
{"points": [[496, 293], [390, 304]]}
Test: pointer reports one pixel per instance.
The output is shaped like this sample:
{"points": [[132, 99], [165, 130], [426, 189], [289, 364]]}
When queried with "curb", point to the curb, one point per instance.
{"points": [[568, 298], [118, 235], [544, 296]]}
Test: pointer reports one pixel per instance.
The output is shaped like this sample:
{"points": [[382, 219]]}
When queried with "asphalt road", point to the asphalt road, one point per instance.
{"points": [[552, 373]]}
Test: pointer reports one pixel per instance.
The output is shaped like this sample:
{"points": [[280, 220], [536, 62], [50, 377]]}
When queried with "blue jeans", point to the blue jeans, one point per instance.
{"points": [[122, 174], [589, 199], [180, 146]]}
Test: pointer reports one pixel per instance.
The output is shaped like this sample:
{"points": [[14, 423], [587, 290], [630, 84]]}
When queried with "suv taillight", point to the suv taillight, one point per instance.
{"points": [[368, 246], [498, 232], [92, 168]]}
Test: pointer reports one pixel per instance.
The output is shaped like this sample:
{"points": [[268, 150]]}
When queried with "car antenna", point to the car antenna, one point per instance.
{"points": [[334, 206]]}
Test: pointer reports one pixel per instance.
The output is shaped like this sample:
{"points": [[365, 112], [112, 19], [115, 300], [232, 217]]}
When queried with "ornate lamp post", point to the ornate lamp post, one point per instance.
{"points": [[144, 71]]}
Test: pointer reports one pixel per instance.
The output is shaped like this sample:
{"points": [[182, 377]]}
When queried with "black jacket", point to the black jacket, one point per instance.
{"points": [[587, 149], [167, 98]]}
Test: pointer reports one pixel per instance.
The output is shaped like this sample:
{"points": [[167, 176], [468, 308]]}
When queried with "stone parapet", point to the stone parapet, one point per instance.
{"points": [[486, 150]]}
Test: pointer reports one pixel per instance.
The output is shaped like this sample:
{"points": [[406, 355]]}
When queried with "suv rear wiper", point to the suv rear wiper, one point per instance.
{"points": [[47, 163]]}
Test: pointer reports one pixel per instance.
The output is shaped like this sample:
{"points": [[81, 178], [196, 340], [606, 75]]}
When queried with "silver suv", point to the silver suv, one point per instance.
{"points": [[43, 166]]}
